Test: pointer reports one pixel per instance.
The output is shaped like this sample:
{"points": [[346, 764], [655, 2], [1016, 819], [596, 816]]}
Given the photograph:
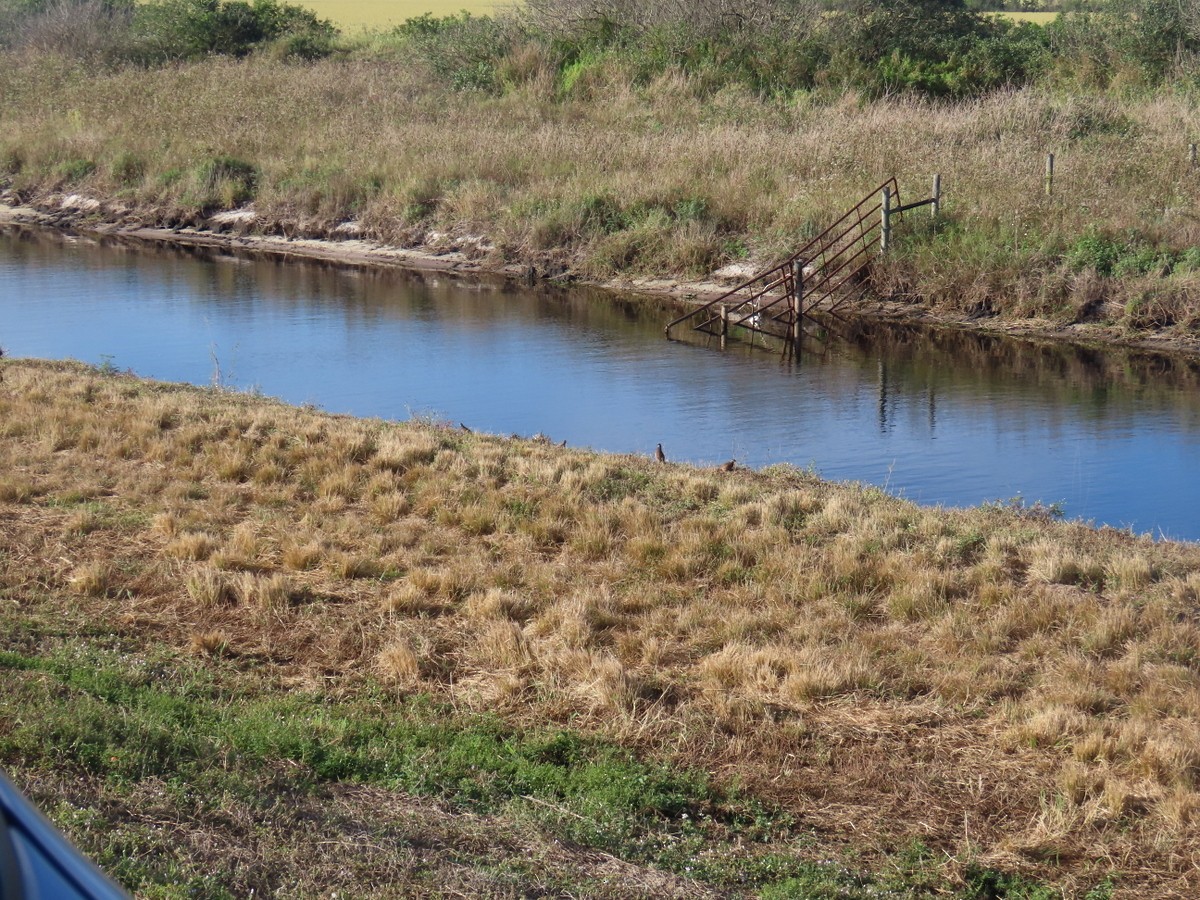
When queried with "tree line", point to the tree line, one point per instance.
{"points": [[944, 48]]}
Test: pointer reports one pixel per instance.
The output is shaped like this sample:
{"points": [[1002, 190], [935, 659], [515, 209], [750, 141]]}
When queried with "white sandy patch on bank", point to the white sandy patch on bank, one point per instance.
{"points": [[234, 217]]}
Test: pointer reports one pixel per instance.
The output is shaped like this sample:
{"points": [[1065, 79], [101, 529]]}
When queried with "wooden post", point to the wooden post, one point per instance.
{"points": [[724, 324], [1049, 174], [797, 303], [885, 233], [1192, 155], [936, 206]]}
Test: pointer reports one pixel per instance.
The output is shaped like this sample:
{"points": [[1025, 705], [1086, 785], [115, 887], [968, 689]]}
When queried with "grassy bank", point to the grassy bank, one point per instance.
{"points": [[606, 178], [405, 656]]}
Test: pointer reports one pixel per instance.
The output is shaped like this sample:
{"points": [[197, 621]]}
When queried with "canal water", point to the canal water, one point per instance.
{"points": [[940, 418]]}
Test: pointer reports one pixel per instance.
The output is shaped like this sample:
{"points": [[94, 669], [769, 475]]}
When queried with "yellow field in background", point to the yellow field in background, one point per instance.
{"points": [[1041, 18], [351, 14]]}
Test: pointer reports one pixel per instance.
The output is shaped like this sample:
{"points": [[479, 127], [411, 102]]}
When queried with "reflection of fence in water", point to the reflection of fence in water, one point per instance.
{"points": [[1117, 387]]}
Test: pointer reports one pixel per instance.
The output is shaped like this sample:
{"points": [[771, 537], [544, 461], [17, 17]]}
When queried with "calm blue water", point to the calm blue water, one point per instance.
{"points": [[939, 418]]}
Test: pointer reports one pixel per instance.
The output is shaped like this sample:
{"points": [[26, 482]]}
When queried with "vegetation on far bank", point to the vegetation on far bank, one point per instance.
{"points": [[252, 646], [635, 143]]}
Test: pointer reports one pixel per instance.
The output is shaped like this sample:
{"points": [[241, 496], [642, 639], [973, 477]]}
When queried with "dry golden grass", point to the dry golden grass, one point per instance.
{"points": [[93, 579], [1001, 687]]}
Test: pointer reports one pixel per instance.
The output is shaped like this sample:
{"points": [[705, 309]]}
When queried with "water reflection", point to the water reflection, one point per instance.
{"points": [[940, 416]]}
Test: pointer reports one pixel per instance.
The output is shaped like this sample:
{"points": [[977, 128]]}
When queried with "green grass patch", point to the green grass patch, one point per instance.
{"points": [[208, 728], [125, 720]]}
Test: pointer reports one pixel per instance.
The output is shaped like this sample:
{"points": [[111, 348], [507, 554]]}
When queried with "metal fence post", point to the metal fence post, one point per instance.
{"points": [[885, 232], [797, 302]]}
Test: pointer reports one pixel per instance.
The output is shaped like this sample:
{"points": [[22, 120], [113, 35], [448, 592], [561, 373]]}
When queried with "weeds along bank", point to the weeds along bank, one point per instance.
{"points": [[637, 149], [999, 691]]}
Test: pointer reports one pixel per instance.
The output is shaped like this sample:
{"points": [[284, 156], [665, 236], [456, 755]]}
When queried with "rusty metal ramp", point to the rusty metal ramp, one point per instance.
{"points": [[818, 278]]}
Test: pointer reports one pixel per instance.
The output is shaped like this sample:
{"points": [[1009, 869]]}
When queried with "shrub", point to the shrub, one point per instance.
{"points": [[74, 170], [185, 29], [706, 19], [930, 47], [1119, 257], [1155, 35], [465, 51], [1011, 54], [1189, 260], [306, 45], [128, 169], [1094, 251], [227, 181], [779, 46]]}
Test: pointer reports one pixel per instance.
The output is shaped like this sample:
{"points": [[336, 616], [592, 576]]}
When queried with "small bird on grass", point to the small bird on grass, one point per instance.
{"points": [[465, 428], [728, 466], [659, 455]]}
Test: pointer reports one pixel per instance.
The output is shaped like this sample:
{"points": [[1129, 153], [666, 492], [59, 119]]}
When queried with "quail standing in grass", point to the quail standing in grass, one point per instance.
{"points": [[659, 455], [728, 466]]}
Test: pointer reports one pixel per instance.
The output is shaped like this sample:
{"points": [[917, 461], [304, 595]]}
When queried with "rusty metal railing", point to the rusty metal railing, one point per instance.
{"points": [[828, 263]]}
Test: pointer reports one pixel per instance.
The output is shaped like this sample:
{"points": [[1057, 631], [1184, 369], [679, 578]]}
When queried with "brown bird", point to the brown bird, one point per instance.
{"points": [[659, 455], [728, 466], [465, 428], [562, 443]]}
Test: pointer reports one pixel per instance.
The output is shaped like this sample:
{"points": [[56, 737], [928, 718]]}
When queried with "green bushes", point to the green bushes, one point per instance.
{"points": [[161, 30], [776, 47], [1130, 255], [773, 47], [1128, 42], [74, 170], [185, 29], [934, 48], [465, 51], [1156, 36]]}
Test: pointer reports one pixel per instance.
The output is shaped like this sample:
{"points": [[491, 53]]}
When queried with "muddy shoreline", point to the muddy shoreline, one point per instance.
{"points": [[237, 232]]}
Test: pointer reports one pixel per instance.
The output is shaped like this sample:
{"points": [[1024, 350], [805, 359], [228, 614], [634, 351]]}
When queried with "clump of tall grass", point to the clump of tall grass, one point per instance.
{"points": [[93, 579]]}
